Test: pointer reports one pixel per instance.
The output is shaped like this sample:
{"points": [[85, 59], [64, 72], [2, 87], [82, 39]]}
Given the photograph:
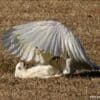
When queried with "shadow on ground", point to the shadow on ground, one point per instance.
{"points": [[85, 74]]}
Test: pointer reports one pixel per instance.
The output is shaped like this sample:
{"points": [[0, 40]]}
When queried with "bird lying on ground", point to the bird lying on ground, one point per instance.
{"points": [[50, 37], [39, 71]]}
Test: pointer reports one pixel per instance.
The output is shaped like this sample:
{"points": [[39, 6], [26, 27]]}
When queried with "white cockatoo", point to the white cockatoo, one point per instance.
{"points": [[42, 40], [39, 71]]}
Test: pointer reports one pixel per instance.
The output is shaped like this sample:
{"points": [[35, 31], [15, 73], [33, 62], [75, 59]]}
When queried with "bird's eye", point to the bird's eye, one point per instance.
{"points": [[19, 68]]}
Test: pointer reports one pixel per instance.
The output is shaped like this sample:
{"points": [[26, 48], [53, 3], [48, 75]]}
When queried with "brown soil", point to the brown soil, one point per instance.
{"points": [[83, 18]]}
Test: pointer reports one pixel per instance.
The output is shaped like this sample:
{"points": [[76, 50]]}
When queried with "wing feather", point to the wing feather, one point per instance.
{"points": [[50, 36]]}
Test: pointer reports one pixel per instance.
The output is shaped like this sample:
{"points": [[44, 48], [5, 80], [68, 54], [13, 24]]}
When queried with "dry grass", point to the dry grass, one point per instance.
{"points": [[82, 17]]}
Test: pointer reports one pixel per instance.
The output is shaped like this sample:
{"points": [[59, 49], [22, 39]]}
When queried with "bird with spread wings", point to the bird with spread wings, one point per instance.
{"points": [[33, 40]]}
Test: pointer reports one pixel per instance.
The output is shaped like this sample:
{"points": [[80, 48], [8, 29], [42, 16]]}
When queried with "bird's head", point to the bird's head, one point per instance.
{"points": [[20, 66], [19, 69]]}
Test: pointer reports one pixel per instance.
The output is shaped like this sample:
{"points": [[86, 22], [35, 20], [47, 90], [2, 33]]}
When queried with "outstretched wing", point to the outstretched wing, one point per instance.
{"points": [[50, 36]]}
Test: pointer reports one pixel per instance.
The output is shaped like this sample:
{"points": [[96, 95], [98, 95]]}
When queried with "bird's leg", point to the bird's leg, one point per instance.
{"points": [[68, 69], [55, 63]]}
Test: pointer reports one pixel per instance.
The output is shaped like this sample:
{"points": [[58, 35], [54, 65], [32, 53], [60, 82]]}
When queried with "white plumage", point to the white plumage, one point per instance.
{"points": [[32, 40], [40, 71]]}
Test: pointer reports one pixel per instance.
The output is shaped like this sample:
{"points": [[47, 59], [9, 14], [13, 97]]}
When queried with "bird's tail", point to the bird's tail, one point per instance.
{"points": [[95, 67]]}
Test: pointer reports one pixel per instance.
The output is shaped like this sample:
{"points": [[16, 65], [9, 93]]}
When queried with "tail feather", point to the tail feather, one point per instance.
{"points": [[96, 67]]}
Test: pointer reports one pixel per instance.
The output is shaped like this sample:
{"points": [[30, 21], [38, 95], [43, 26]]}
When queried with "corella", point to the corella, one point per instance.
{"points": [[50, 37]]}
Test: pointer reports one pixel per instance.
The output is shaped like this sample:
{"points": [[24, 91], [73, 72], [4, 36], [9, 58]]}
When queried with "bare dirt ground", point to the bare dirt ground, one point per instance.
{"points": [[83, 18]]}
